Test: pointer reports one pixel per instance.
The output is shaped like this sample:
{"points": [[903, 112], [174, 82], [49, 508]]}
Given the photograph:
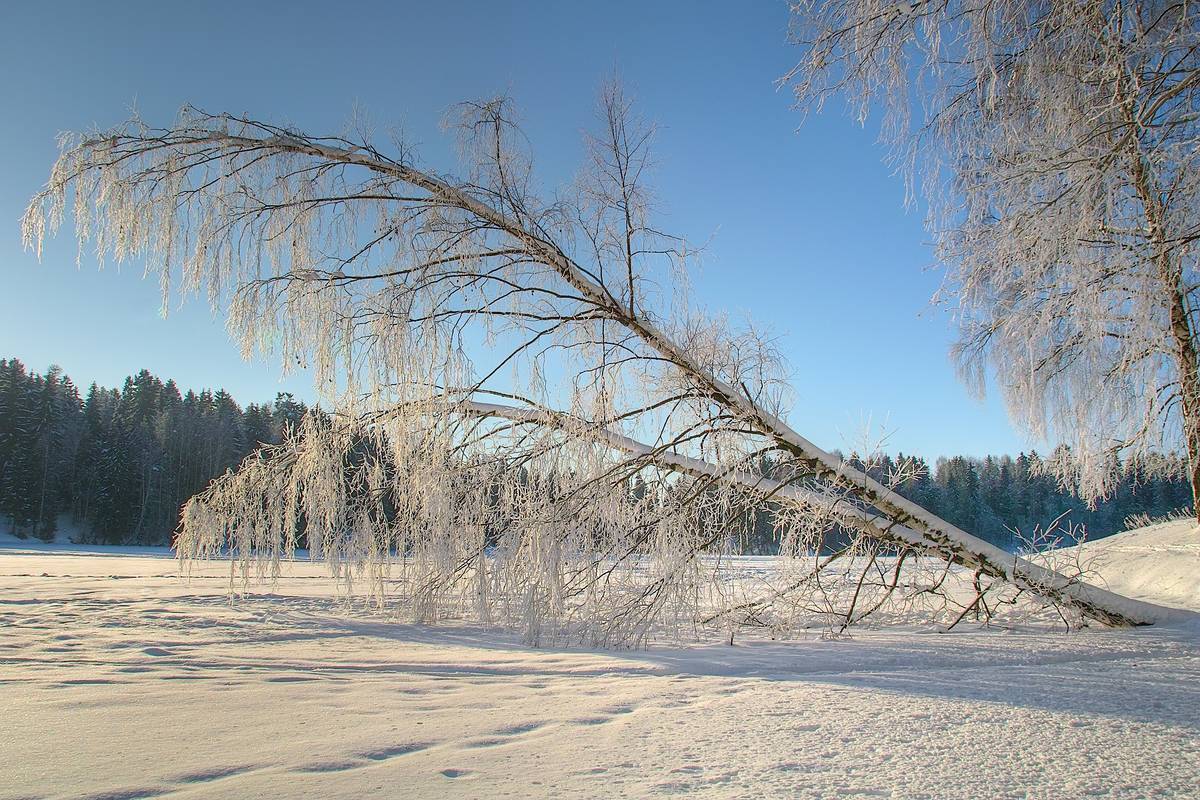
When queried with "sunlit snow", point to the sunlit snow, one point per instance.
{"points": [[118, 680]]}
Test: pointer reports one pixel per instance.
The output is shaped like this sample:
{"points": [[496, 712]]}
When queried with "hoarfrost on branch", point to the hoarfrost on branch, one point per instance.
{"points": [[532, 425]]}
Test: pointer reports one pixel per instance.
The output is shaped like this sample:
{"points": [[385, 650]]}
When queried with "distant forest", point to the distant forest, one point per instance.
{"points": [[116, 465]]}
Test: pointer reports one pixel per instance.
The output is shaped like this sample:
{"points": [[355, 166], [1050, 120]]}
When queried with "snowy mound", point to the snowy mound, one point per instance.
{"points": [[1159, 564]]}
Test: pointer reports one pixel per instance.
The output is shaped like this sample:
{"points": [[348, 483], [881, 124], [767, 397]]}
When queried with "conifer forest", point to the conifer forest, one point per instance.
{"points": [[114, 465]]}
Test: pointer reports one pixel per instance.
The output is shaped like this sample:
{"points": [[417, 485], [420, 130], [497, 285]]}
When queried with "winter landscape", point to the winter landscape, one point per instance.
{"points": [[640, 427], [159, 687]]}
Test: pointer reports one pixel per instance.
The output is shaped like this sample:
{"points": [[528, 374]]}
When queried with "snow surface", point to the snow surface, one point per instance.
{"points": [[1160, 564], [117, 680]]}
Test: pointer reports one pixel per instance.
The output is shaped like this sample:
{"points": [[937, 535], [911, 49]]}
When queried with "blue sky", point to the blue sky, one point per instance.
{"points": [[806, 228]]}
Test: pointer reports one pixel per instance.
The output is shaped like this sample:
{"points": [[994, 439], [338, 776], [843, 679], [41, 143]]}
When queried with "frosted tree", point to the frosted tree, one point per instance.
{"points": [[1057, 145], [532, 424]]}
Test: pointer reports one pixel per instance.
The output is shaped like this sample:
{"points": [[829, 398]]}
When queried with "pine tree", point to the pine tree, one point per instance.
{"points": [[287, 415], [16, 432], [51, 421]]}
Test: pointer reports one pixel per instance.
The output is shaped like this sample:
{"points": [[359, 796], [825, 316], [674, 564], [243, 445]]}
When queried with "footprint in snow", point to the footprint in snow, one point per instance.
{"points": [[384, 753]]}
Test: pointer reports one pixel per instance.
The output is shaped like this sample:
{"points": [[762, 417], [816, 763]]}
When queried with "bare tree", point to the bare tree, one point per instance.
{"points": [[591, 474], [1057, 144]]}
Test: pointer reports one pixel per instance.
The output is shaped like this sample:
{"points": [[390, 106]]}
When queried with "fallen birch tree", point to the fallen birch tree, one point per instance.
{"points": [[532, 421]]}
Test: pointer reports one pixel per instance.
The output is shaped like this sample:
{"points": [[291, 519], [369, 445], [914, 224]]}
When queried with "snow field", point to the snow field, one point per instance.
{"points": [[117, 680]]}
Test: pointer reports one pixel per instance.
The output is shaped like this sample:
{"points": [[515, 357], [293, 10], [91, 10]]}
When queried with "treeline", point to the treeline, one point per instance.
{"points": [[117, 464], [1011, 502], [998, 497]]}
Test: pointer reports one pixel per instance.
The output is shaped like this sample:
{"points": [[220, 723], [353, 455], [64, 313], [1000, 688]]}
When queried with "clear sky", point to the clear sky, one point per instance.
{"points": [[806, 228]]}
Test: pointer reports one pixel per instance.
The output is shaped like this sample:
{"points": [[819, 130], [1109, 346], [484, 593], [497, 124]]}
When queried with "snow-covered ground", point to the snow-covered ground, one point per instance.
{"points": [[117, 680], [1160, 563]]}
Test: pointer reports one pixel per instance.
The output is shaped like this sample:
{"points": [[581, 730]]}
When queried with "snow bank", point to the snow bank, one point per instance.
{"points": [[1159, 564]]}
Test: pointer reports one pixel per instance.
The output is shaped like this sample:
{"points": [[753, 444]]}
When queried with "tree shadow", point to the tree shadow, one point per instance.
{"points": [[1147, 675]]}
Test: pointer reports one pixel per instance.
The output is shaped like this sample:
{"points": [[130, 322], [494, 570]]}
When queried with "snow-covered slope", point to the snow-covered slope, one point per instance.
{"points": [[118, 680], [1160, 564]]}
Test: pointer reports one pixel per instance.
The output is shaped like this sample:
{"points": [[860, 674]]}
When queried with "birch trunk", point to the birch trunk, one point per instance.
{"points": [[952, 544], [1170, 276]]}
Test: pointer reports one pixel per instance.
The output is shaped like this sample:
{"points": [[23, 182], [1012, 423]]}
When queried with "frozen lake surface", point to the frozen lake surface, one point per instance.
{"points": [[118, 680]]}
